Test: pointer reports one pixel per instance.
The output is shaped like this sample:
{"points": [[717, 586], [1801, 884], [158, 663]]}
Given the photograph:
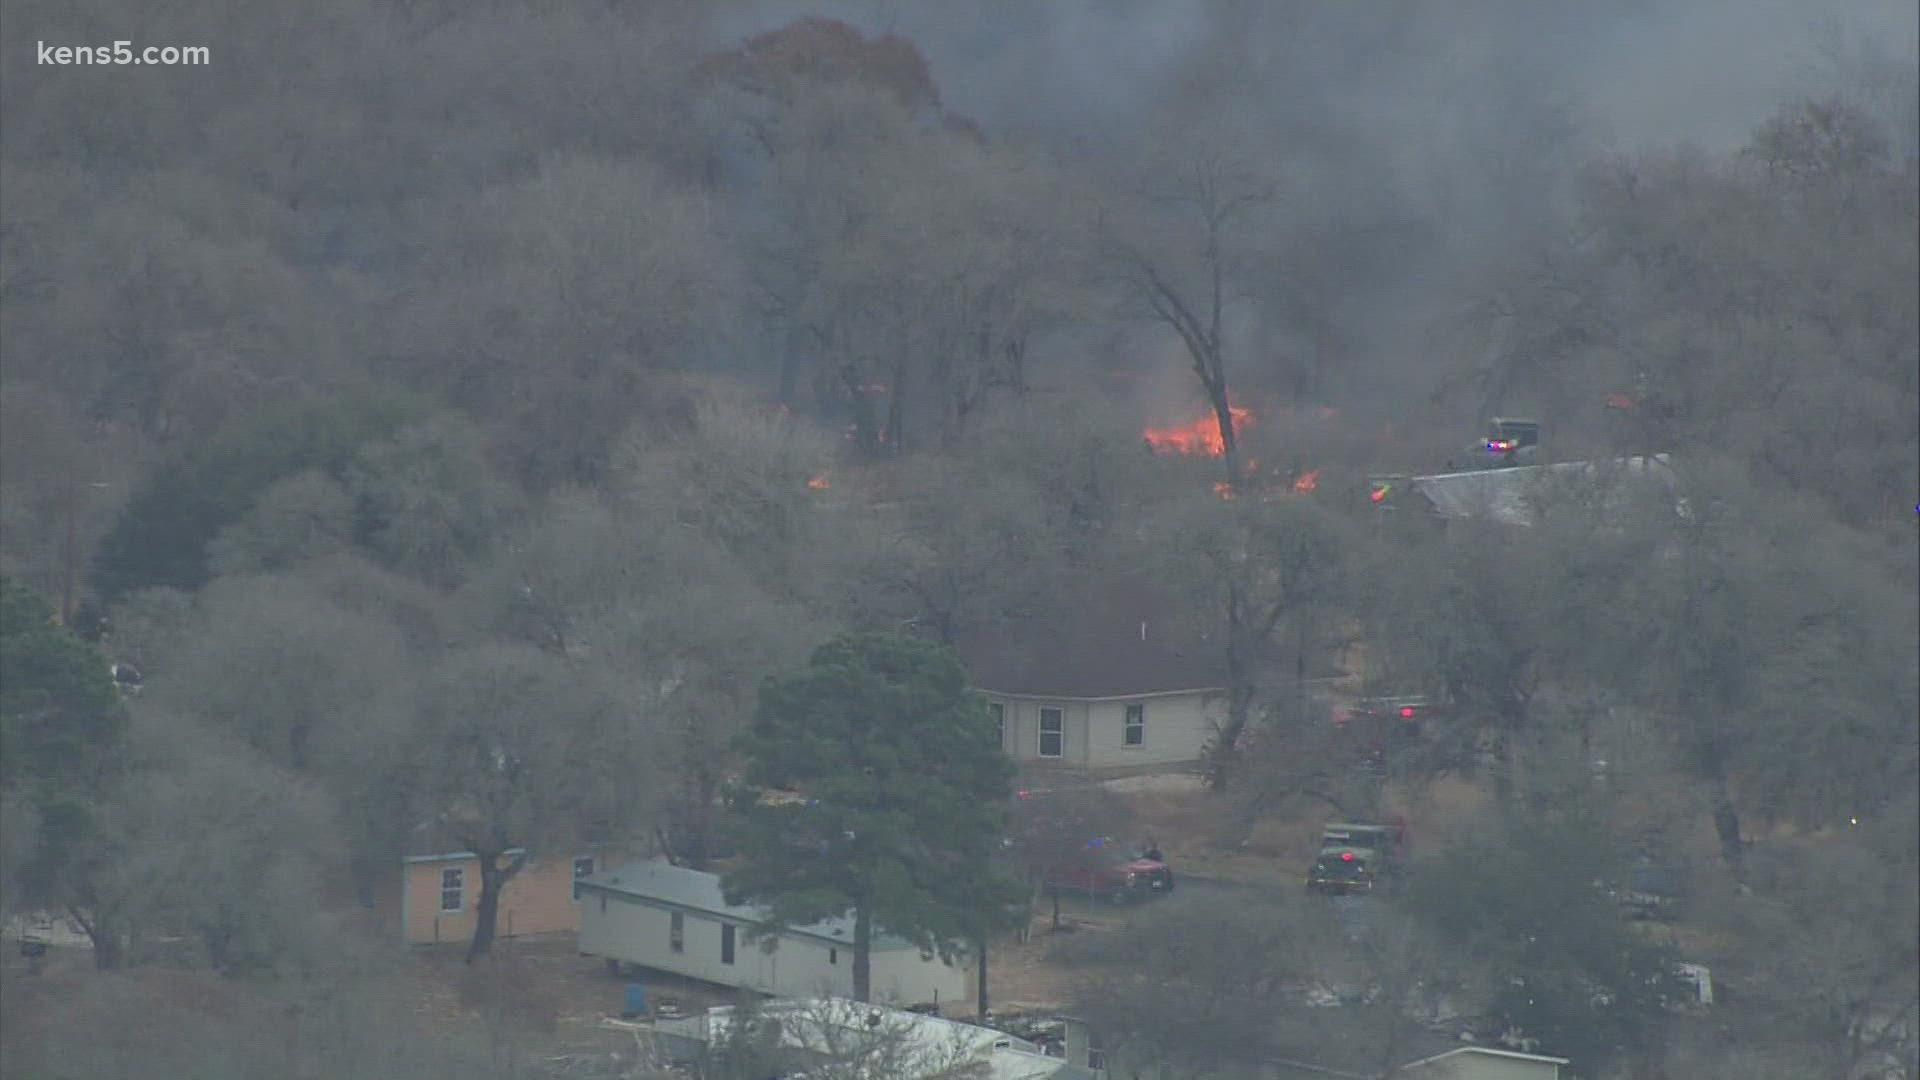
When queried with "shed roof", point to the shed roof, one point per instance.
{"points": [[661, 882], [1120, 639]]}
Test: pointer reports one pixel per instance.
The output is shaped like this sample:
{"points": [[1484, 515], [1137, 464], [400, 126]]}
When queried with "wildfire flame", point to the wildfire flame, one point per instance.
{"points": [[819, 483], [1306, 481], [1200, 436]]}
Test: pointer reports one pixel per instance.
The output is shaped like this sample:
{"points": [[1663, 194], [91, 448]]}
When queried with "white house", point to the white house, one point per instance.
{"points": [[1114, 685], [669, 918]]}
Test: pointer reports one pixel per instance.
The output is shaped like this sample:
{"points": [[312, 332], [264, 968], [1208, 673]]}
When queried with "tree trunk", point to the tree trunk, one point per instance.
{"points": [[985, 1010], [707, 789], [1229, 439], [790, 369], [493, 878], [1726, 825], [862, 952], [105, 937], [866, 427], [895, 435], [1239, 712], [1503, 772]]}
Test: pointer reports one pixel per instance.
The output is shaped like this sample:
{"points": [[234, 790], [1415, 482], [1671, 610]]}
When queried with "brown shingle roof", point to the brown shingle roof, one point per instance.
{"points": [[1120, 640]]}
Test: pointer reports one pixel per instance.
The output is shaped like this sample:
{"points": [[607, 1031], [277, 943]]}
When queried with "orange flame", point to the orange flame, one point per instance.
{"points": [[1306, 481], [819, 483], [1201, 436]]}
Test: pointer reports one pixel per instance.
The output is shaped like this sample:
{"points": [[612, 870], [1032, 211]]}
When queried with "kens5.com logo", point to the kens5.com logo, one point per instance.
{"points": [[123, 53]]}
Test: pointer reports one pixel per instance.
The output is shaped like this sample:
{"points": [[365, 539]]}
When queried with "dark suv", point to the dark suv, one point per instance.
{"points": [[1340, 871], [1114, 873]]}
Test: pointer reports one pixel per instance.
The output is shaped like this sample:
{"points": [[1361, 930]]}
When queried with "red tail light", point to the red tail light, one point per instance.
{"points": [[1406, 712], [1346, 856]]}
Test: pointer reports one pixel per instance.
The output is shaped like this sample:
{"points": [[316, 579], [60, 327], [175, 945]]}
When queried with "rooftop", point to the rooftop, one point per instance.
{"points": [[930, 1045], [696, 890], [1122, 639], [1507, 495]]}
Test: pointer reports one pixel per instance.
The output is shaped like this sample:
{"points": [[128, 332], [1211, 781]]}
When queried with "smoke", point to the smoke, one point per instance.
{"points": [[1645, 72], [1419, 143]]}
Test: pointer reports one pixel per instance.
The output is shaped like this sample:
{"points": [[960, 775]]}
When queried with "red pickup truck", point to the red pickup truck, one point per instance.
{"points": [[1113, 872]]}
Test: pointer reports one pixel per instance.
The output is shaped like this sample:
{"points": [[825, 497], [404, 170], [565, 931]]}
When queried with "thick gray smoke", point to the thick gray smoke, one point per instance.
{"points": [[1642, 72]]}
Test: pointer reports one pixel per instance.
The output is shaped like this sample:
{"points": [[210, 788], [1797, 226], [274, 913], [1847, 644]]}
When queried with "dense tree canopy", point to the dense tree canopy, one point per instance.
{"points": [[458, 411]]}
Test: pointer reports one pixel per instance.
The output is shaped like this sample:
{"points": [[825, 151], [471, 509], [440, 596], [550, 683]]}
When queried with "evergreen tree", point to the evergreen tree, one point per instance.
{"points": [[905, 791]]}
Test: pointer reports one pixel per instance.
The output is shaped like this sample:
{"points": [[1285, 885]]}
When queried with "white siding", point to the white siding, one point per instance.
{"points": [[902, 976], [1178, 727], [637, 933]]}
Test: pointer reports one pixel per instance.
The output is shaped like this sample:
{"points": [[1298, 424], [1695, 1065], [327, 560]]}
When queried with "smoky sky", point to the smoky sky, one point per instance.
{"points": [[1642, 73]]}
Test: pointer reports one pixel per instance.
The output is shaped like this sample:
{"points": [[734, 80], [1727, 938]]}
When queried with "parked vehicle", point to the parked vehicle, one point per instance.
{"points": [[1508, 443], [1651, 891], [1383, 842], [1114, 873], [1343, 871], [1357, 857]]}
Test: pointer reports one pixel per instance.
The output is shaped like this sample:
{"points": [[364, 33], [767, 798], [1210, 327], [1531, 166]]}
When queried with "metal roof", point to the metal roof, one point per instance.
{"points": [[660, 882], [1508, 495], [1490, 1051], [932, 1043]]}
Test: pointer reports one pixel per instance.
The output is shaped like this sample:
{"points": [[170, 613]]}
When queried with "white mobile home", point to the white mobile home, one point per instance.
{"points": [[669, 918]]}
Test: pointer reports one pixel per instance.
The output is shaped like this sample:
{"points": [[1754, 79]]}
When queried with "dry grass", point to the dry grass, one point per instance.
{"points": [[1189, 823], [548, 987]]}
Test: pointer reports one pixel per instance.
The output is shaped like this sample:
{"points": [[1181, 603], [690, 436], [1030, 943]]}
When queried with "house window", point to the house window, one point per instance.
{"points": [[999, 712], [1135, 733], [833, 956], [677, 932], [1053, 733], [453, 887], [726, 943], [583, 868]]}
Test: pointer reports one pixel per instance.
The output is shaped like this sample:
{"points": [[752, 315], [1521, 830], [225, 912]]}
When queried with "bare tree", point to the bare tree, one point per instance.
{"points": [[1052, 833], [1199, 990], [840, 1039], [1252, 566], [1837, 973], [1178, 257], [517, 752]]}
